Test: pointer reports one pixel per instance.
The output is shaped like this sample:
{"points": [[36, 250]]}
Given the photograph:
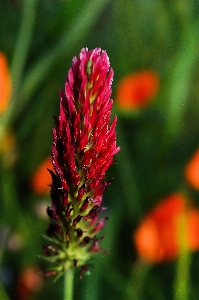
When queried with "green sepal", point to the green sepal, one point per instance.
{"points": [[57, 276], [54, 241], [52, 259]]}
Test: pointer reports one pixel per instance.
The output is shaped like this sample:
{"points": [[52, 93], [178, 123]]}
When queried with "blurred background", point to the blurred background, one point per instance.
{"points": [[152, 234]]}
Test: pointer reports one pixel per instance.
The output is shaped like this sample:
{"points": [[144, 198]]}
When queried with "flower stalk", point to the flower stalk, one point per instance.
{"points": [[182, 279], [68, 284]]}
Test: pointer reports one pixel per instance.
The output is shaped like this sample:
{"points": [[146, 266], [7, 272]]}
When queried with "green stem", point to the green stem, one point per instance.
{"points": [[182, 277], [68, 284], [182, 280]]}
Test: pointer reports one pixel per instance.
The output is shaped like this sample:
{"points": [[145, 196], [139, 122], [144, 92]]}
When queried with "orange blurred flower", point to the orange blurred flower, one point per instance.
{"points": [[136, 90], [157, 237], [192, 171], [5, 83], [28, 283], [42, 178]]}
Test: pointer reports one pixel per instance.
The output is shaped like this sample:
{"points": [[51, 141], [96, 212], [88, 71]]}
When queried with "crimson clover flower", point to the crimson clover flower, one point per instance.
{"points": [[84, 143]]}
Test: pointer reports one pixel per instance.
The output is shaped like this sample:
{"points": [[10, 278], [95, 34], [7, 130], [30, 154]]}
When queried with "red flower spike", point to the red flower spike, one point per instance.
{"points": [[84, 143]]}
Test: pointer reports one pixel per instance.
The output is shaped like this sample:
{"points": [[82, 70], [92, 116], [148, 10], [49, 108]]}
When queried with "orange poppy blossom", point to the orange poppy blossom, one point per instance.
{"points": [[42, 178], [192, 171], [5, 84], [8, 141], [28, 284], [157, 237], [136, 90]]}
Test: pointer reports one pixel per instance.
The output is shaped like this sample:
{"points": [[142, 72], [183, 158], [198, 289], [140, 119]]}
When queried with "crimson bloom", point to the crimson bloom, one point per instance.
{"points": [[84, 144], [160, 235]]}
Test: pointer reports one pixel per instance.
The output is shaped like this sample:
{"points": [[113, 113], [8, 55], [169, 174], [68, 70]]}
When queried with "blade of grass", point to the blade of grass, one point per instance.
{"points": [[126, 175], [19, 60], [180, 81], [78, 29], [22, 46]]}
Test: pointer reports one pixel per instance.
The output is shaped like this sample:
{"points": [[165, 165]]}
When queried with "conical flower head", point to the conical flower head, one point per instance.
{"points": [[84, 144]]}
